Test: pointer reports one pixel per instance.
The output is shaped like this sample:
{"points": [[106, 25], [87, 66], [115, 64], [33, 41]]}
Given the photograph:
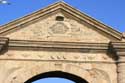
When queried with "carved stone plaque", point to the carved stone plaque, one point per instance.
{"points": [[59, 28]]}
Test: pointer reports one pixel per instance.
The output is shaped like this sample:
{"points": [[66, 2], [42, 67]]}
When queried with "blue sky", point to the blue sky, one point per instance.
{"points": [[52, 80], [110, 12]]}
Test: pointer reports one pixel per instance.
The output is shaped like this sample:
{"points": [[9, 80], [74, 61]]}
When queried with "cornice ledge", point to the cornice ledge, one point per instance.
{"points": [[101, 26], [27, 44], [3, 44]]}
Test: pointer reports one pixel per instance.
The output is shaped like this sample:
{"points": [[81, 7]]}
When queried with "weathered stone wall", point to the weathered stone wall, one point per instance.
{"points": [[48, 29], [92, 61], [19, 66]]}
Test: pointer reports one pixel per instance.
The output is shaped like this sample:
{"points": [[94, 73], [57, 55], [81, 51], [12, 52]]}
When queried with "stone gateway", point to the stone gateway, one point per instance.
{"points": [[60, 41]]}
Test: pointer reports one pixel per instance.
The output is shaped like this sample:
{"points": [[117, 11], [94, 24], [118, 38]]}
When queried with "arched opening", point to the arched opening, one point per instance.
{"points": [[57, 74]]}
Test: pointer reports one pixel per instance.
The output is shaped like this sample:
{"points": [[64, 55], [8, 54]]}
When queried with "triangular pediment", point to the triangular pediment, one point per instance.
{"points": [[43, 26]]}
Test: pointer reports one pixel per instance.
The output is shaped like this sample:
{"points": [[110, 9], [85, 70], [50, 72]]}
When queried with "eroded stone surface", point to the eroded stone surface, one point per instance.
{"points": [[21, 71], [19, 66], [49, 29], [55, 55]]}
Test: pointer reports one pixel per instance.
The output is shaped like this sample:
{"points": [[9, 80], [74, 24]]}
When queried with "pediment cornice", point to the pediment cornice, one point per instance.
{"points": [[60, 6]]}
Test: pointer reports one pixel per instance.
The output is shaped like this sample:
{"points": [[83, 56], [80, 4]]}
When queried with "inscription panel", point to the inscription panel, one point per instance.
{"points": [[48, 55], [59, 28]]}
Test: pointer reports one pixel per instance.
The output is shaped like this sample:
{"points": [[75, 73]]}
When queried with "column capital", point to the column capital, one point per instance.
{"points": [[118, 48], [3, 44]]}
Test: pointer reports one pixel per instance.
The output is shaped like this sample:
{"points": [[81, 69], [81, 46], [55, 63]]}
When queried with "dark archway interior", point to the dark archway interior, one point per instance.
{"points": [[59, 74]]}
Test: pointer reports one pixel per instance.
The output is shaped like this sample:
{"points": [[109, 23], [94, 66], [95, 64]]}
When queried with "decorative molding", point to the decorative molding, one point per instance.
{"points": [[60, 46], [117, 48]]}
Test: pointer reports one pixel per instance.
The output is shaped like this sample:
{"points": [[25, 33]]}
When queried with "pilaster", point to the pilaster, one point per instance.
{"points": [[119, 48]]}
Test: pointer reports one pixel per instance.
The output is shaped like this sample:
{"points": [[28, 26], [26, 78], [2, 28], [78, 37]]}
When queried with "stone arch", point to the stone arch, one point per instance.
{"points": [[59, 74], [66, 68], [24, 73]]}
